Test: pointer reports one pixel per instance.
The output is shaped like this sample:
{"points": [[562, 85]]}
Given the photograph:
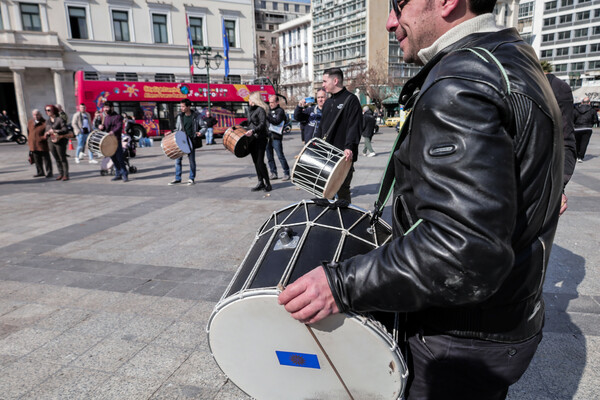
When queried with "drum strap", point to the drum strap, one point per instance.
{"points": [[388, 180], [336, 117]]}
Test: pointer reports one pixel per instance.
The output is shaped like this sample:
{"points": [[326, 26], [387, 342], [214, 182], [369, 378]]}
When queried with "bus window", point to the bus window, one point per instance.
{"points": [[166, 115]]}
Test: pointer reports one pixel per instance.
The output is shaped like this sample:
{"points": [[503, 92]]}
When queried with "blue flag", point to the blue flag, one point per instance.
{"points": [[226, 49]]}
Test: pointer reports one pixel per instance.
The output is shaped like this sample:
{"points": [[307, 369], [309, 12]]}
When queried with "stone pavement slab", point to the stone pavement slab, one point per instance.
{"points": [[106, 287]]}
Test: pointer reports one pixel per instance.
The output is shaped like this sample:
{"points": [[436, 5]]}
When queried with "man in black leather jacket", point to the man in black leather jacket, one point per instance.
{"points": [[478, 181]]}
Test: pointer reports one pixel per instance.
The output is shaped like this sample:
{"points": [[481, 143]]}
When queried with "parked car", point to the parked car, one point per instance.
{"points": [[392, 121]]}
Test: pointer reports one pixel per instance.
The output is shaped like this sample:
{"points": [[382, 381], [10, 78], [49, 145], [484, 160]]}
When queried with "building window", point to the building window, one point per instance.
{"points": [[164, 77], [297, 8], [583, 1], [594, 64], [579, 49], [551, 5], [231, 34], [564, 35], [78, 23], [127, 76], [546, 53], [275, 5], [263, 4], [121, 25], [582, 16], [560, 67], [30, 17], [594, 47], [200, 78], [1, 22], [549, 37], [286, 7], [564, 19], [307, 9], [526, 10], [234, 79], [596, 30], [578, 66], [563, 51], [581, 32], [159, 26], [549, 21], [597, 13], [196, 29], [565, 3]]}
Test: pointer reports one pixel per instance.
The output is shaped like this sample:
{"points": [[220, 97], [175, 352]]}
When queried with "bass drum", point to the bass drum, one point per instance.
{"points": [[102, 144], [267, 353], [176, 144], [236, 141]]}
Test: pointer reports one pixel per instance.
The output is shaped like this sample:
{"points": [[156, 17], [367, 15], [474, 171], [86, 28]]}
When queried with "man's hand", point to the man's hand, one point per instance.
{"points": [[309, 299], [348, 155], [563, 204], [249, 133], [101, 127]]}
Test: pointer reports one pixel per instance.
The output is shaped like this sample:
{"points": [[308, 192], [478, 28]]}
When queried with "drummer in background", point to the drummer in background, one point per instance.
{"points": [[113, 124], [345, 134], [188, 121], [258, 126], [311, 116]]}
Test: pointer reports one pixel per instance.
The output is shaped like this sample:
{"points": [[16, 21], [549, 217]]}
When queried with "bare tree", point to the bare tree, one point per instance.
{"points": [[267, 61], [374, 81]]}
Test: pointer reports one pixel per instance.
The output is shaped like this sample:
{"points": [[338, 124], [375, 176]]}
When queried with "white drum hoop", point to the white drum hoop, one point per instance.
{"points": [[248, 330], [320, 168]]}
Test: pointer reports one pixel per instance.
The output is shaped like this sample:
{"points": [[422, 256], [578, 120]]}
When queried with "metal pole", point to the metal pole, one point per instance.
{"points": [[208, 81]]}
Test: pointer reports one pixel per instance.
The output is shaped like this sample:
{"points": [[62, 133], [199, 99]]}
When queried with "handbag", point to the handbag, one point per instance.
{"points": [[30, 159], [197, 142]]}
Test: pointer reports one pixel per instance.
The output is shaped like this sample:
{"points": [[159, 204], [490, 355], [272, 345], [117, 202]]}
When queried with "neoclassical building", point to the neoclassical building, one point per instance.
{"points": [[43, 43]]}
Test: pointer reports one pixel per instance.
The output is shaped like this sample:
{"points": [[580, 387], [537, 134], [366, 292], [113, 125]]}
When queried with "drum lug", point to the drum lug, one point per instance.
{"points": [[287, 240]]}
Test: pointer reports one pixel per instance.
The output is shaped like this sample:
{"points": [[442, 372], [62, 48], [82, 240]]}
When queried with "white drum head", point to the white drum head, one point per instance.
{"points": [[182, 142], [270, 355]]}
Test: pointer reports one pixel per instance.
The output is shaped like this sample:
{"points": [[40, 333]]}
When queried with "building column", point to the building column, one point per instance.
{"points": [[20, 96], [58, 86]]}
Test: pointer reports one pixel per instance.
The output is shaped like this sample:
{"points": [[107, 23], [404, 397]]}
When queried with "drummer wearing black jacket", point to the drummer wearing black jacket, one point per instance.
{"points": [[343, 132]]}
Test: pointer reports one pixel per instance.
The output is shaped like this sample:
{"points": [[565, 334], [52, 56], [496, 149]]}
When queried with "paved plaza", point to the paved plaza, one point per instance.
{"points": [[106, 287]]}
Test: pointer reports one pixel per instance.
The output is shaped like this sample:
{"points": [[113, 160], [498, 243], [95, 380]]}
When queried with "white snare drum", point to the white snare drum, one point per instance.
{"points": [[267, 353], [102, 144], [176, 144], [320, 168]]}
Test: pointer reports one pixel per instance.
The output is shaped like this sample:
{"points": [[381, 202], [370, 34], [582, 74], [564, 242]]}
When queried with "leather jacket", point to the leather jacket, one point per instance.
{"points": [[478, 181]]}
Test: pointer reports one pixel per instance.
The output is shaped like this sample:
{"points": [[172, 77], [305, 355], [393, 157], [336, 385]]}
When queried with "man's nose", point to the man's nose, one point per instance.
{"points": [[392, 22]]}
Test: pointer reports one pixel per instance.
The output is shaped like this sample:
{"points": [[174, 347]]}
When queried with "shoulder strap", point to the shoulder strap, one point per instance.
{"points": [[337, 117]]}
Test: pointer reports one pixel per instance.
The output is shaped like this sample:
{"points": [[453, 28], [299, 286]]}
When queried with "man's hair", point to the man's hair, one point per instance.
{"points": [[585, 100], [82, 104], [335, 73], [479, 7], [322, 90], [275, 96], [107, 104], [186, 101]]}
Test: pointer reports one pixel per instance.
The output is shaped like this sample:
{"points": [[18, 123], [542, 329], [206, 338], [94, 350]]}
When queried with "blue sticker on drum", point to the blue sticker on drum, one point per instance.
{"points": [[298, 359]]}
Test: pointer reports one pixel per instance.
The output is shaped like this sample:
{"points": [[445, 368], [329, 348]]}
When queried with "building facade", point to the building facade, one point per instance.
{"points": [[43, 43], [296, 59], [268, 16], [565, 33]]}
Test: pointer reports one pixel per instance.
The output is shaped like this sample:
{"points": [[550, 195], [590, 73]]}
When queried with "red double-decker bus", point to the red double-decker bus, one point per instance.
{"points": [[155, 105]]}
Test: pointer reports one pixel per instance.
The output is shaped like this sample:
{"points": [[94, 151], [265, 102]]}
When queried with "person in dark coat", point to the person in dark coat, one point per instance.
{"points": [[584, 118], [564, 98], [38, 144], [310, 116], [368, 130], [343, 132], [257, 128], [56, 127], [210, 123]]}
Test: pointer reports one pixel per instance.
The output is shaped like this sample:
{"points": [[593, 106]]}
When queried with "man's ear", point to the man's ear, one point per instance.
{"points": [[451, 6]]}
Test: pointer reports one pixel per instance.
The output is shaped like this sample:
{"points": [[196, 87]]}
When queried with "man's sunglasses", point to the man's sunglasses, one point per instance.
{"points": [[397, 6]]}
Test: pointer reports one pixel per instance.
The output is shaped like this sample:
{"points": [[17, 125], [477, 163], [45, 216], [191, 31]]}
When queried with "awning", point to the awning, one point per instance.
{"points": [[392, 100], [593, 92]]}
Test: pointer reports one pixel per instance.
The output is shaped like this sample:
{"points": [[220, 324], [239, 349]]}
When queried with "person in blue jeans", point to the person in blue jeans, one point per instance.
{"points": [[276, 119], [210, 122], [188, 121], [82, 126]]}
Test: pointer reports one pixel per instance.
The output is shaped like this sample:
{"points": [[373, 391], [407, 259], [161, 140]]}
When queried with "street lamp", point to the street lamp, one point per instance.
{"points": [[204, 53]]}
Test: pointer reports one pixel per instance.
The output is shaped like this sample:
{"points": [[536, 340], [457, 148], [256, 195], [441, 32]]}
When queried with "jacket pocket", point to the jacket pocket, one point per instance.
{"points": [[402, 216]]}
